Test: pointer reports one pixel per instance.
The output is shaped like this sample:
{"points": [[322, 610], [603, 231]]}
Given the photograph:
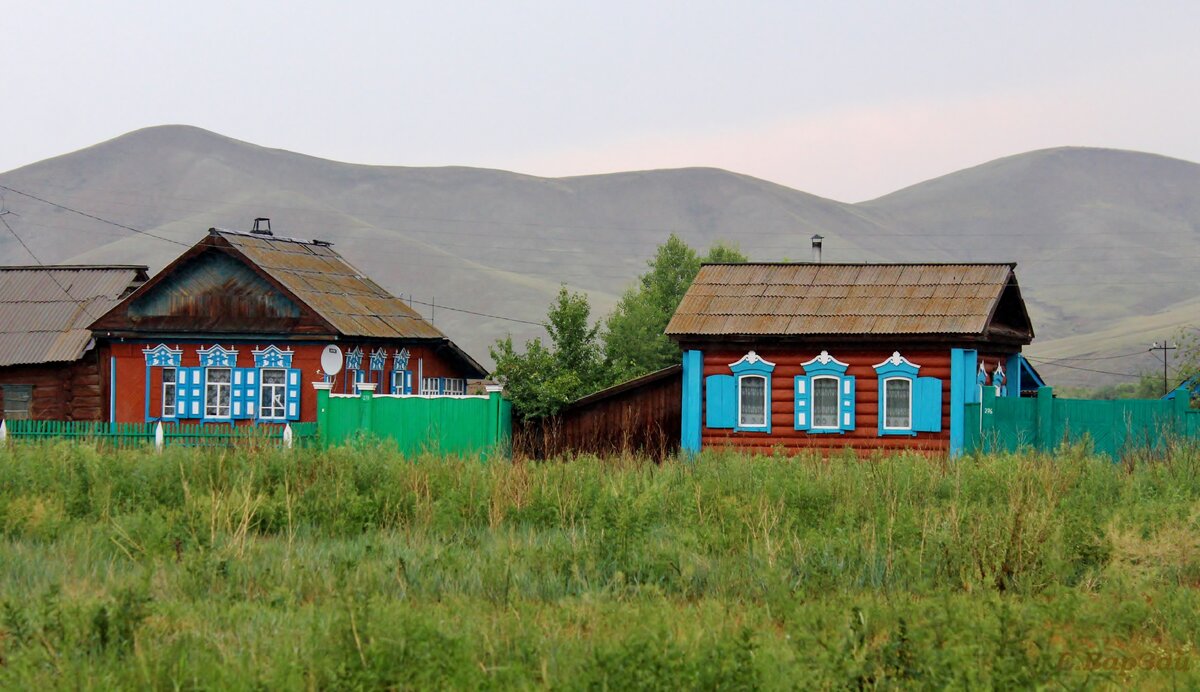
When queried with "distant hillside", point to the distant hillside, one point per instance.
{"points": [[1104, 239]]}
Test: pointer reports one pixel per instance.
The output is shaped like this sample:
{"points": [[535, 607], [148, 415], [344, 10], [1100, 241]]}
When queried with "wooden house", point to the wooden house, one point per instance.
{"points": [[49, 366], [830, 356], [233, 332]]}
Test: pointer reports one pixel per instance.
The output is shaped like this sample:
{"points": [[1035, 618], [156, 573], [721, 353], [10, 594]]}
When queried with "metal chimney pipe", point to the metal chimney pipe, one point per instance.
{"points": [[816, 248]]}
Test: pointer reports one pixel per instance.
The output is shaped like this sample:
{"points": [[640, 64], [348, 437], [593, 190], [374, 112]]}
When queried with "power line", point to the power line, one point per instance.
{"points": [[79, 303], [480, 314], [1075, 367], [1055, 361], [92, 216]]}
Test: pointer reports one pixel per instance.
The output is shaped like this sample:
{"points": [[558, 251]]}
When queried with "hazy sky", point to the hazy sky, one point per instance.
{"points": [[848, 100]]}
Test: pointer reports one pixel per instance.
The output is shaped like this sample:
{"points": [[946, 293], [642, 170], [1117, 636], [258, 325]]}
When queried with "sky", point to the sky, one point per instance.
{"points": [[847, 100]]}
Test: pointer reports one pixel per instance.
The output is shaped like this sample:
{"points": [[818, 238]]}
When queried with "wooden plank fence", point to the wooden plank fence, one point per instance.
{"points": [[174, 434]]}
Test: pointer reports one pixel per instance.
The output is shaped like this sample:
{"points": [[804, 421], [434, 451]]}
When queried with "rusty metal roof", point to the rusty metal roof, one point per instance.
{"points": [[782, 299], [342, 295], [45, 311]]}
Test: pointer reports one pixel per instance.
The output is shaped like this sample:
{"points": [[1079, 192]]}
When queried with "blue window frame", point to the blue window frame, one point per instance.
{"points": [[752, 377], [740, 401], [908, 404], [824, 396]]}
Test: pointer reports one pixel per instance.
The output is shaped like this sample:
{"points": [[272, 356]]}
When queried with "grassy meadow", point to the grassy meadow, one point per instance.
{"points": [[359, 569]]}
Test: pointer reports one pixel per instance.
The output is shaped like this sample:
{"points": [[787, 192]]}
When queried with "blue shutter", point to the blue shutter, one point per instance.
{"points": [[195, 393], [183, 386], [293, 394], [237, 393], [720, 401], [802, 388], [927, 405], [250, 399], [846, 397]]}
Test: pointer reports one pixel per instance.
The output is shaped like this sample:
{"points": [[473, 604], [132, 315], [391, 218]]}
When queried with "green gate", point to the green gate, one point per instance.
{"points": [[455, 425]]}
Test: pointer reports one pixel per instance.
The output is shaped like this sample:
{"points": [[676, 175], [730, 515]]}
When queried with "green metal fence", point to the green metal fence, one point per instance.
{"points": [[1114, 428], [174, 434], [470, 425]]}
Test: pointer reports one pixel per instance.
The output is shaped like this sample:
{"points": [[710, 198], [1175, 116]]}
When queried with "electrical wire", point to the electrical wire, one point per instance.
{"points": [[480, 314], [92, 216], [1075, 367], [79, 303]]}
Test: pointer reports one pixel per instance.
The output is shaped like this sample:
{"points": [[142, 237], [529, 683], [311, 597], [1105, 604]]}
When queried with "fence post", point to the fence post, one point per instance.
{"points": [[493, 425], [287, 435], [366, 394], [323, 411], [988, 434], [1045, 419], [3, 430], [159, 439]]}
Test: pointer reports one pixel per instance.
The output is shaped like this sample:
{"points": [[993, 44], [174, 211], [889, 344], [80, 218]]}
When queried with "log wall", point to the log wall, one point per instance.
{"points": [[61, 391], [865, 438]]}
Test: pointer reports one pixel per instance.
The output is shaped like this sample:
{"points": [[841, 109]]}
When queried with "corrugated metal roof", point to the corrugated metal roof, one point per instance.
{"points": [[849, 299], [327, 283], [45, 311]]}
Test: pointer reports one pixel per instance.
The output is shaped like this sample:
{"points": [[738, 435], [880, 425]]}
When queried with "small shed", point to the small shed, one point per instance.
{"points": [[639, 416], [233, 331], [49, 367], [805, 356]]}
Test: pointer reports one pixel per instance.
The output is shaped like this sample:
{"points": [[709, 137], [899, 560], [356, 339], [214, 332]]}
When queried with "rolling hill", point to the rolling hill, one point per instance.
{"points": [[1106, 240]]}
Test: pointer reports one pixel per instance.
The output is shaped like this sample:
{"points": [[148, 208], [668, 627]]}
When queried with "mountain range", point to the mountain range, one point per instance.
{"points": [[1107, 241]]}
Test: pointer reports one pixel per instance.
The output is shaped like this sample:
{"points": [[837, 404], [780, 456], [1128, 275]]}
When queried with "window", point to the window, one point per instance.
{"points": [[825, 402], [18, 400], [825, 396], [401, 382], [168, 393], [454, 386], [273, 394], [897, 403], [431, 385], [907, 404], [217, 392], [741, 401], [752, 401]]}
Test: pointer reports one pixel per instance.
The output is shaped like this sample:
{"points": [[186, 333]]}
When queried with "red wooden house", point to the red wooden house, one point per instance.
{"points": [[233, 331], [829, 356]]}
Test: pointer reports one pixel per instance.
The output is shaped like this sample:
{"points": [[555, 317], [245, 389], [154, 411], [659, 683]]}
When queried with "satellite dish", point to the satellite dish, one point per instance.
{"points": [[331, 360]]}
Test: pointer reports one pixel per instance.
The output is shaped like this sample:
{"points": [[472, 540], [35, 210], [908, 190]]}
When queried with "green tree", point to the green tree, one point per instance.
{"points": [[543, 379], [634, 342]]}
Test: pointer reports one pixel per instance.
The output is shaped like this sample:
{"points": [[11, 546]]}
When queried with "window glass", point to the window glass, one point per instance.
{"points": [[753, 400], [897, 403], [217, 391], [168, 393], [18, 400], [272, 394], [825, 402]]}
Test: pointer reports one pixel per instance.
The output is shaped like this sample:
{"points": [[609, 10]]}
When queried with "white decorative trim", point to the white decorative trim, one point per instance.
{"points": [[326, 386], [489, 388], [825, 359], [272, 357], [217, 356], [752, 358], [897, 359], [163, 356], [365, 386]]}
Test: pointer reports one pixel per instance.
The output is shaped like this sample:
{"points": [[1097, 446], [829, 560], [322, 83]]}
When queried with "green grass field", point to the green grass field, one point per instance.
{"points": [[358, 569]]}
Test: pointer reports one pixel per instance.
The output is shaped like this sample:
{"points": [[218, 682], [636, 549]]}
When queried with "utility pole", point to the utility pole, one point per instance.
{"points": [[1165, 356]]}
